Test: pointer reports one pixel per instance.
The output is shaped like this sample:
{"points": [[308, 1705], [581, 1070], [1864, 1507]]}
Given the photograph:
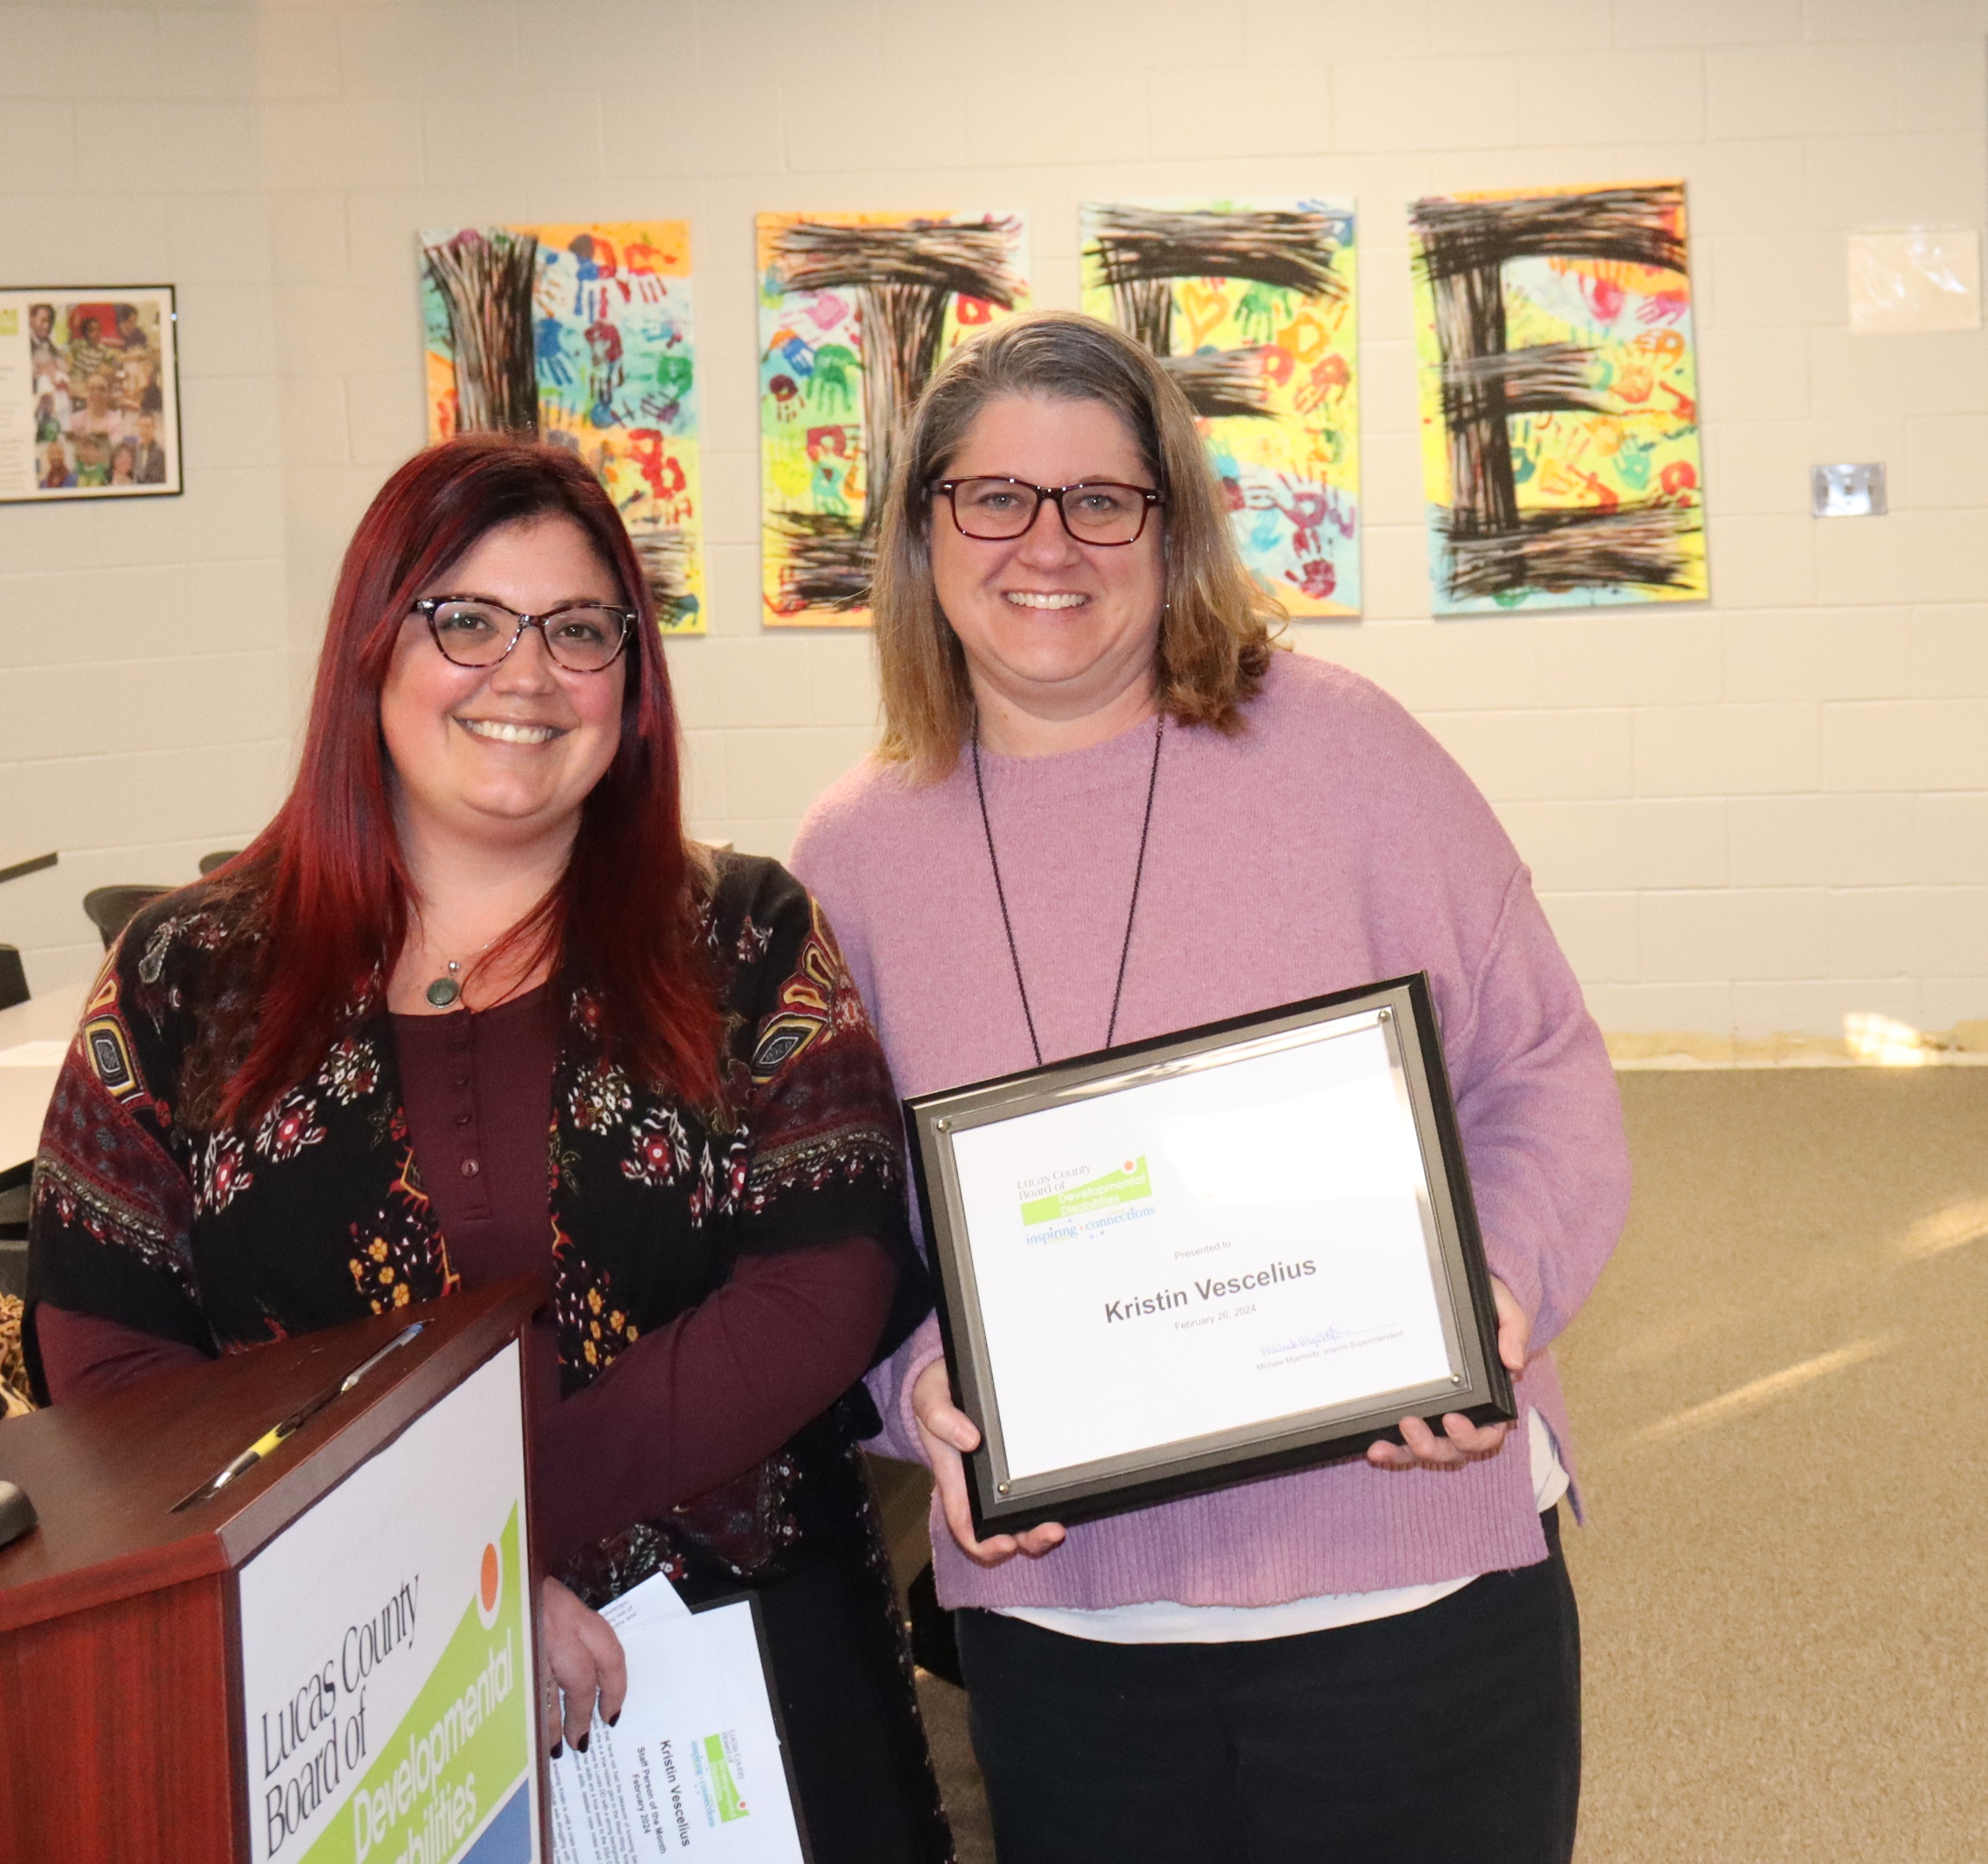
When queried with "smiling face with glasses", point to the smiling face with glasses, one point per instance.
{"points": [[993, 510], [475, 631], [501, 709], [1058, 611]]}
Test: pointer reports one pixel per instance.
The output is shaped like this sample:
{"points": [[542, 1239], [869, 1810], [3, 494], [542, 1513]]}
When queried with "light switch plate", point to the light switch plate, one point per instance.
{"points": [[1847, 491]]}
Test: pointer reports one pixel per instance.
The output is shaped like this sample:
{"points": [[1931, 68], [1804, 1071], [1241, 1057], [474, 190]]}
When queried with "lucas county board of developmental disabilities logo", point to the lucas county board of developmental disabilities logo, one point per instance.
{"points": [[1095, 1202], [721, 1772]]}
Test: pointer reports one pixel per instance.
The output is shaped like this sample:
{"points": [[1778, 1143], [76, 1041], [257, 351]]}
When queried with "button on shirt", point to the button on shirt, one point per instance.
{"points": [[479, 1096]]}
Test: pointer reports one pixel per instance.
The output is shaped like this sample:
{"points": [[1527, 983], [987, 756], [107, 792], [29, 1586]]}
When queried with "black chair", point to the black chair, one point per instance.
{"points": [[110, 908], [14, 1185], [219, 858]]}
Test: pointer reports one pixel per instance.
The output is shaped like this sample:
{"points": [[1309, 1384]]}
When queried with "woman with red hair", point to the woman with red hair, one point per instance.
{"points": [[475, 942]]}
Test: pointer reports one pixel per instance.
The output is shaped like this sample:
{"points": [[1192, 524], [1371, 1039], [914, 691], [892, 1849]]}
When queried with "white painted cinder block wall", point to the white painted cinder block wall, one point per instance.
{"points": [[1754, 816]]}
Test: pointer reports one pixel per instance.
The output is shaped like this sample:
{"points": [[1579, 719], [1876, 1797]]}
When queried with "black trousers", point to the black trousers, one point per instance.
{"points": [[1451, 1735], [854, 1736]]}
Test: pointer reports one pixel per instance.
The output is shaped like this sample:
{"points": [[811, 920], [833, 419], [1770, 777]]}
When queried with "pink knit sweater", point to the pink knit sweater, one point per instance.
{"points": [[1330, 844]]}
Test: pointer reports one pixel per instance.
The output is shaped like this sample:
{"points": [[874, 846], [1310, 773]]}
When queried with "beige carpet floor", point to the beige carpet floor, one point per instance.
{"points": [[1782, 1404], [1782, 1401]]}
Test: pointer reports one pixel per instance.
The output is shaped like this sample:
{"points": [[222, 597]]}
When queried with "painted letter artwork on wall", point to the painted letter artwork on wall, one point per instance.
{"points": [[1250, 307], [855, 311], [1559, 398], [581, 336]]}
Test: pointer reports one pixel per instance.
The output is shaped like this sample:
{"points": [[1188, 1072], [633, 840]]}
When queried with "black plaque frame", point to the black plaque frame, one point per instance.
{"points": [[1478, 1385]]}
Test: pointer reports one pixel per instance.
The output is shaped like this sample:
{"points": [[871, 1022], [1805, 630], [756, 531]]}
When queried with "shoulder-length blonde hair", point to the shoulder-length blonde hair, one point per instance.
{"points": [[1215, 631]]}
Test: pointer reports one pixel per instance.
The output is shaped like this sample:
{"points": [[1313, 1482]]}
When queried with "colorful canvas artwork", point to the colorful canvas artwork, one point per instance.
{"points": [[855, 311], [581, 335], [1250, 307], [1559, 398]]}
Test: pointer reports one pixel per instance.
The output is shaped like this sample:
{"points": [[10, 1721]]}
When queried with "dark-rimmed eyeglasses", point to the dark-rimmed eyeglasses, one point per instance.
{"points": [[1098, 511], [474, 631]]}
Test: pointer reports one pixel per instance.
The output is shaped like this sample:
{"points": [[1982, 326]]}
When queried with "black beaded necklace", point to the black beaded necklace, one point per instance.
{"points": [[1138, 875]]}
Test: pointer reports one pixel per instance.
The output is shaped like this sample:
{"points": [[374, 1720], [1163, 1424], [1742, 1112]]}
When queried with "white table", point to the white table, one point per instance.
{"points": [[28, 1082]]}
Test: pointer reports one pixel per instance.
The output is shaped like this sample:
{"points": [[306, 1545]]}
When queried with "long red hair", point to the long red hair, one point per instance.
{"points": [[332, 893]]}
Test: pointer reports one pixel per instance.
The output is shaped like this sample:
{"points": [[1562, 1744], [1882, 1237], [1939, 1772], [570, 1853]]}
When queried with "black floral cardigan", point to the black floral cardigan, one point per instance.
{"points": [[318, 1215]]}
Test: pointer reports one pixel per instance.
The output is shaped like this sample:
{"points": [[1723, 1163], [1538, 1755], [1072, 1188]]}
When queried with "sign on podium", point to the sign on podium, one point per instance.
{"points": [[278, 1609]]}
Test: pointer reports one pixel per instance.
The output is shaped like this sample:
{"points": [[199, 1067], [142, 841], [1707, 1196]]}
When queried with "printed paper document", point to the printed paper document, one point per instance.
{"points": [[693, 1767]]}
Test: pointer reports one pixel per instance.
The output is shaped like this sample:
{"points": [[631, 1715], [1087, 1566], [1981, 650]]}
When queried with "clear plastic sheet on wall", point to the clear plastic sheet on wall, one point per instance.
{"points": [[1917, 278]]}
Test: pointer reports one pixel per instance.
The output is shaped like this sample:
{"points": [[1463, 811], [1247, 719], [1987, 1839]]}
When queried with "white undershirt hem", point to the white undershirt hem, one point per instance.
{"points": [[1164, 1622]]}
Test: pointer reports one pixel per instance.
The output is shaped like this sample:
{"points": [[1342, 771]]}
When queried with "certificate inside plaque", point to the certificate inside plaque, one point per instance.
{"points": [[1189, 1262]]}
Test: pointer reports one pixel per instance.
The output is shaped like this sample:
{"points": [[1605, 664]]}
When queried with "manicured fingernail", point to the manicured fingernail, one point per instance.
{"points": [[558, 1748], [615, 1717], [580, 1746]]}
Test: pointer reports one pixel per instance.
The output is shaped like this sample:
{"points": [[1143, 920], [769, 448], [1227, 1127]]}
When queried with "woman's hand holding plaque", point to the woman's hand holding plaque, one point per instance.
{"points": [[948, 1432], [1463, 1442]]}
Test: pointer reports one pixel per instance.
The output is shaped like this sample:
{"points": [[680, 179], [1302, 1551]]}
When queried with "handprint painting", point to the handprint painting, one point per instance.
{"points": [[1559, 398], [1249, 306], [855, 311], [580, 335]]}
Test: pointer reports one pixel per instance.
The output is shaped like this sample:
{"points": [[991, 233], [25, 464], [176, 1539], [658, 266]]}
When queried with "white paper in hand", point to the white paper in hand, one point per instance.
{"points": [[693, 1767], [652, 1604]]}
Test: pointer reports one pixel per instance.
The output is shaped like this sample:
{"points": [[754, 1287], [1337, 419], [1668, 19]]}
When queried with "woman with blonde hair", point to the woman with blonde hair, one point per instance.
{"points": [[1104, 808]]}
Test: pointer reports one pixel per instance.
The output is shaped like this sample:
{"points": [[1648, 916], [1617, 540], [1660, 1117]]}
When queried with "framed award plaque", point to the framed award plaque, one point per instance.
{"points": [[1214, 1256]]}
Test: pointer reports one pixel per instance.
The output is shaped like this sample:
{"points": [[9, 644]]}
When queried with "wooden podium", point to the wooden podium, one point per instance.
{"points": [[127, 1731]]}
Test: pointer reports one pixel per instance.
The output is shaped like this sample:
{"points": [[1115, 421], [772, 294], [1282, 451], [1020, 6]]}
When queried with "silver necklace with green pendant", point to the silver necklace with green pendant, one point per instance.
{"points": [[448, 988]]}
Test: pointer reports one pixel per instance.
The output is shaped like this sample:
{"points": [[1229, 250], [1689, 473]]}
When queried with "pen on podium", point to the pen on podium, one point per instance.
{"points": [[364, 1366], [277, 1433]]}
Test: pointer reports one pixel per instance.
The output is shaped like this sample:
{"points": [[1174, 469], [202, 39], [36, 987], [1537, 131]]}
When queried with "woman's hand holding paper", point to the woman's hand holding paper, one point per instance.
{"points": [[580, 1660]]}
